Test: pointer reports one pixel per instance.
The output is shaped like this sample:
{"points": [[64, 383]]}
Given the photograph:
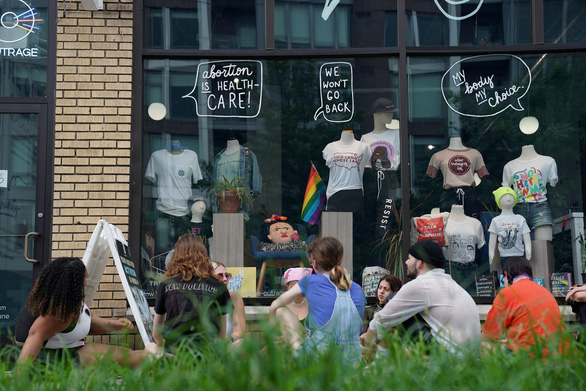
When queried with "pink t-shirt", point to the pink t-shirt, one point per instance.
{"points": [[457, 166]]}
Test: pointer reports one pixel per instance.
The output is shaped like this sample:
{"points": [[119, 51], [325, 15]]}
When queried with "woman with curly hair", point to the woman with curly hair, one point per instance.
{"points": [[336, 304], [56, 320], [191, 303]]}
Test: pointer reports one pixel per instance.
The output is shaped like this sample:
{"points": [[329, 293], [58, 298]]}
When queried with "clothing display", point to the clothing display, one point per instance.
{"points": [[242, 164], [509, 230], [463, 238], [385, 149], [338, 321], [529, 177], [192, 308], [73, 336], [445, 306], [523, 312], [457, 167], [174, 174], [346, 164]]}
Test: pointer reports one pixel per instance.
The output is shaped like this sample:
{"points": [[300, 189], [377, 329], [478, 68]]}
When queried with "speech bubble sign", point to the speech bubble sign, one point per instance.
{"points": [[336, 84], [474, 89], [453, 9], [228, 89]]}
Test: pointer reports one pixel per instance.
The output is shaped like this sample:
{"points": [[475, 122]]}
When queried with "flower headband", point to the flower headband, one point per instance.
{"points": [[274, 218]]}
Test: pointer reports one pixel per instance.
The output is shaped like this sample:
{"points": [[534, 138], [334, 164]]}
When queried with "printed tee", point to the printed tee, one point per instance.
{"points": [[529, 177], [457, 167], [385, 149], [509, 230], [463, 238], [346, 164]]}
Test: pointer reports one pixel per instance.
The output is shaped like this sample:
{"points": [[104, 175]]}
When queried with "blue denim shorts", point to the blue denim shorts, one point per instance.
{"points": [[536, 213]]}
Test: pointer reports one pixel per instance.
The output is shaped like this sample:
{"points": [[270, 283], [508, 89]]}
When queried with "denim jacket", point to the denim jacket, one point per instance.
{"points": [[248, 169]]}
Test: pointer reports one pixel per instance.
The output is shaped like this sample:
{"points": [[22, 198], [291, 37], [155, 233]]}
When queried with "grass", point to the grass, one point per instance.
{"points": [[217, 367]]}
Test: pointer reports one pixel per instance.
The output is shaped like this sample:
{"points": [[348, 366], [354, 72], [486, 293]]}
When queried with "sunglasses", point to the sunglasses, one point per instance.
{"points": [[227, 275]]}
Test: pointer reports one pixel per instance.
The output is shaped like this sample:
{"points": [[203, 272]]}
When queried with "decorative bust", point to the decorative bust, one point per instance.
{"points": [[282, 236]]}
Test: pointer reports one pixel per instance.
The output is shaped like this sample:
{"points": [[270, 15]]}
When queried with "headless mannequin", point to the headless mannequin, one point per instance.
{"points": [[456, 144], [347, 137], [457, 214], [543, 232], [176, 147], [506, 202], [232, 146], [197, 210]]}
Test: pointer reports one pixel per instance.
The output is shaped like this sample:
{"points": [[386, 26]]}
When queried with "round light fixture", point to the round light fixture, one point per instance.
{"points": [[529, 125], [157, 111]]}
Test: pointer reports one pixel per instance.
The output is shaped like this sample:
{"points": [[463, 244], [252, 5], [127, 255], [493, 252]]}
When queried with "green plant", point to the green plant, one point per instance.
{"points": [[237, 185]]}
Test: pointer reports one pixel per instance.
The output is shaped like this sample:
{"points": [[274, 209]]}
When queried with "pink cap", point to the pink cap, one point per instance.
{"points": [[297, 273]]}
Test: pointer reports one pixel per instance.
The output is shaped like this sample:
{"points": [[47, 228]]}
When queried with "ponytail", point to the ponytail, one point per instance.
{"points": [[340, 278]]}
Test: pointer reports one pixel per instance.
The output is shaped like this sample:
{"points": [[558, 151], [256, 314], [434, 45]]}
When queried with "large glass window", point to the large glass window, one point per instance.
{"points": [[23, 48], [233, 24], [484, 102], [564, 21], [464, 23], [284, 113]]}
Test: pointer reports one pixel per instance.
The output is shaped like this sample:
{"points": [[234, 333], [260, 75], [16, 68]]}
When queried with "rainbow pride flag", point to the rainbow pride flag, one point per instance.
{"points": [[315, 197]]}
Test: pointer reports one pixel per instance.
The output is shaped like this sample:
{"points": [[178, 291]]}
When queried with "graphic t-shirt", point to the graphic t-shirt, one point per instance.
{"points": [[385, 149], [463, 237], [192, 307], [174, 175], [457, 166], [509, 230], [346, 163], [529, 177], [228, 165]]}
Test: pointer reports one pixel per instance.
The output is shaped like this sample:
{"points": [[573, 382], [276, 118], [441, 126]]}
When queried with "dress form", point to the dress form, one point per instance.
{"points": [[347, 137], [528, 153], [457, 213], [176, 148], [232, 146], [456, 143]]}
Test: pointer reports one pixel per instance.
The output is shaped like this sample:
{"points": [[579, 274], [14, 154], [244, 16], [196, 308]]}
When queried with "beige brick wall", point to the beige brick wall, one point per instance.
{"points": [[92, 133]]}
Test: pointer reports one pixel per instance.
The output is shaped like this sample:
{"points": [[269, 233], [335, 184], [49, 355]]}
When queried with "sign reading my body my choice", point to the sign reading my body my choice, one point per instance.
{"points": [[228, 89]]}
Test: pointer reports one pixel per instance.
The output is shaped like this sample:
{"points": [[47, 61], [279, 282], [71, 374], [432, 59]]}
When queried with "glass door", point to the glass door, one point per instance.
{"points": [[22, 216]]}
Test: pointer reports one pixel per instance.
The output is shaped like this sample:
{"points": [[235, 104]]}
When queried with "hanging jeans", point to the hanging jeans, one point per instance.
{"points": [[341, 331]]}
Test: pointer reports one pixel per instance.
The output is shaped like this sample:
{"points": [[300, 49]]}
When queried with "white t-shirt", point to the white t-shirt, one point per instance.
{"points": [[529, 177], [346, 163], [463, 238], [385, 148], [174, 175], [509, 230]]}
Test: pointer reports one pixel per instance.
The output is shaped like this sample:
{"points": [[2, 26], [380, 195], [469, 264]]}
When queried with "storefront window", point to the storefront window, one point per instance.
{"points": [[202, 25], [564, 21], [289, 112], [23, 48], [449, 23], [484, 100]]}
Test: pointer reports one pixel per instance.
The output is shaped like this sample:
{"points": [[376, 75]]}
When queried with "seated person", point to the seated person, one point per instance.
{"points": [[235, 321], [282, 236], [292, 317], [385, 290]]}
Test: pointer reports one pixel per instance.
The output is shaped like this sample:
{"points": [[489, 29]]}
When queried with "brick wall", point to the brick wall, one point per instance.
{"points": [[92, 133]]}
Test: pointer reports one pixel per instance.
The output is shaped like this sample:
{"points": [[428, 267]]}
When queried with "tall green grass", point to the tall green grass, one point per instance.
{"points": [[218, 366]]}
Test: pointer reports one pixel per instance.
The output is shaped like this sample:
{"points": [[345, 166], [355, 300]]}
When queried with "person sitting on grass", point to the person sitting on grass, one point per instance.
{"points": [[442, 310], [336, 304], [386, 289], [191, 304], [236, 321], [524, 313], [56, 320]]}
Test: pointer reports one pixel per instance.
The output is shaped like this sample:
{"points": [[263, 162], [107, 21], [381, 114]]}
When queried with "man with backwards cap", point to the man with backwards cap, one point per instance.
{"points": [[446, 307]]}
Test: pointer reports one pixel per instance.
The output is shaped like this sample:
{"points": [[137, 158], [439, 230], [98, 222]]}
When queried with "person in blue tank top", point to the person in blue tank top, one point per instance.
{"points": [[336, 304]]}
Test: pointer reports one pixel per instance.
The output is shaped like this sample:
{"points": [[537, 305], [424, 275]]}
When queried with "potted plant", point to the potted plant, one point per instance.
{"points": [[232, 193]]}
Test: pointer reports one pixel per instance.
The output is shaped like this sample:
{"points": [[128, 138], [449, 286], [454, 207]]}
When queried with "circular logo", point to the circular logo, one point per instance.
{"points": [[459, 165], [17, 21]]}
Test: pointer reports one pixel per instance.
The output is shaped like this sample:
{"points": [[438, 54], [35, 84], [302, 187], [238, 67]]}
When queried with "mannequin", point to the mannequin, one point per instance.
{"points": [[232, 146], [464, 236], [462, 169], [507, 230], [384, 140], [197, 210], [346, 159], [529, 175]]}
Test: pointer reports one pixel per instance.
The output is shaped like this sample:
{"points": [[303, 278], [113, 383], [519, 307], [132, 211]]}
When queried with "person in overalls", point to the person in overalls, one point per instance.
{"points": [[336, 304]]}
